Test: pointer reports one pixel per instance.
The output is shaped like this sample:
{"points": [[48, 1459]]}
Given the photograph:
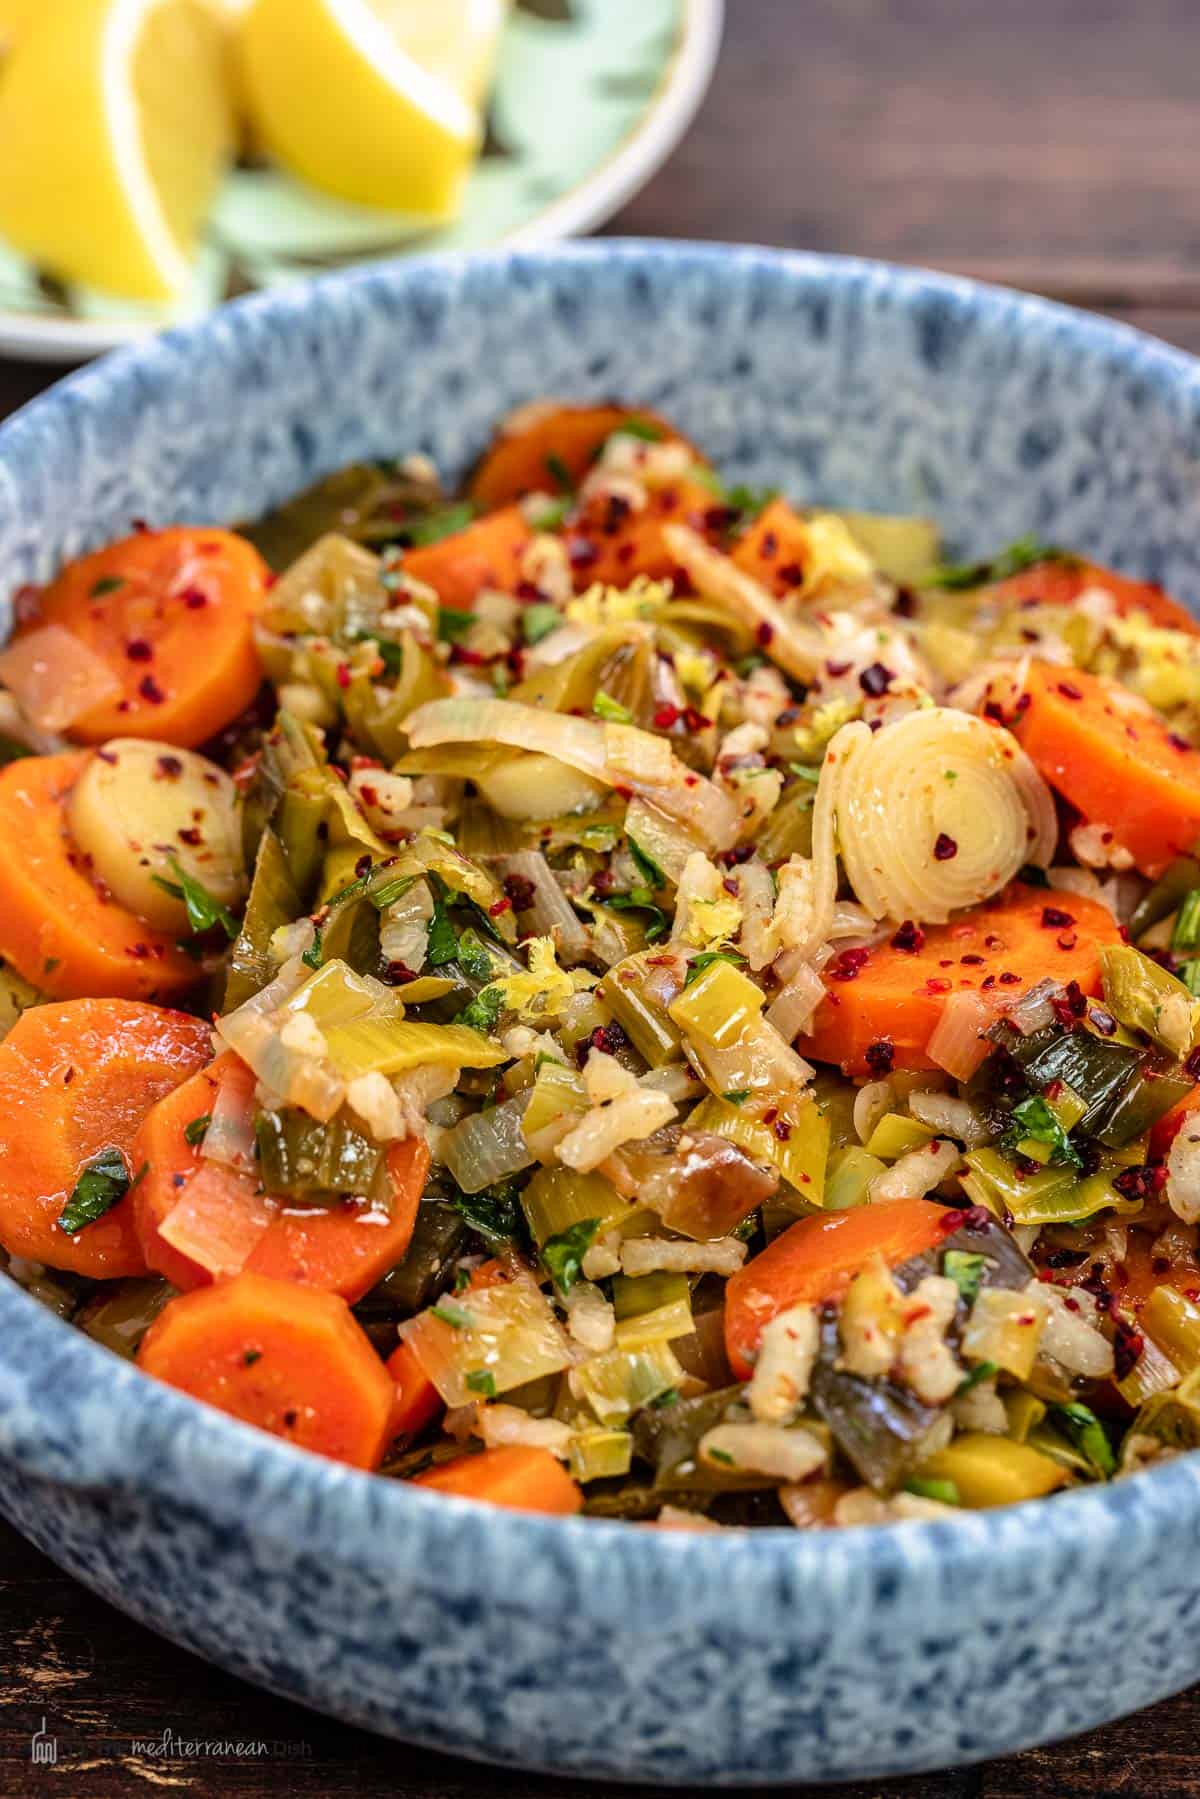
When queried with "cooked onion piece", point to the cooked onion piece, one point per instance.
{"points": [[934, 813], [616, 754], [142, 810]]}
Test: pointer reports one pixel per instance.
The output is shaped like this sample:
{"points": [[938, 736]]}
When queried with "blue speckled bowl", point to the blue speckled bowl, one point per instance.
{"points": [[599, 1648]]}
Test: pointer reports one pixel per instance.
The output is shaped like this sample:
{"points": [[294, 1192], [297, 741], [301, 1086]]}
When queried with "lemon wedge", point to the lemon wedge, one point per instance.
{"points": [[376, 101], [115, 125]]}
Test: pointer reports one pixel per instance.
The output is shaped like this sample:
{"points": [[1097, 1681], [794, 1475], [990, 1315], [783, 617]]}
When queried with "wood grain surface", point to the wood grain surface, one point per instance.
{"points": [[1050, 144]]}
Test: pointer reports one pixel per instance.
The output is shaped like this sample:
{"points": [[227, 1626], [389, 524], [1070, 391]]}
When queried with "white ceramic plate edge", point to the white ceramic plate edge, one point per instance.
{"points": [[30, 338]]}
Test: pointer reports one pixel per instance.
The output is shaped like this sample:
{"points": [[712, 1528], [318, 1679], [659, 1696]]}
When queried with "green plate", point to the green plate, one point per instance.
{"points": [[591, 97]]}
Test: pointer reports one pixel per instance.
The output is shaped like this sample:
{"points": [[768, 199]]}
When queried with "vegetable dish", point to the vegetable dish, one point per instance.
{"points": [[611, 991]]}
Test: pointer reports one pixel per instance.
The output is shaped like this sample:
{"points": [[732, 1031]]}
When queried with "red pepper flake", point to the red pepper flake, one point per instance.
{"points": [[1103, 1021], [167, 768], [837, 669], [764, 634], [665, 717], [769, 548], [150, 690], [937, 985], [971, 961], [880, 1056], [520, 891], [195, 599], [396, 974], [694, 720], [1008, 979], [791, 574], [499, 906], [582, 552], [1055, 919], [1069, 690], [1128, 1344], [1144, 1182], [849, 965], [343, 674], [191, 836], [139, 526], [944, 849], [1068, 940], [910, 938], [958, 1218], [782, 1129], [875, 680], [989, 980], [138, 650], [771, 1114]]}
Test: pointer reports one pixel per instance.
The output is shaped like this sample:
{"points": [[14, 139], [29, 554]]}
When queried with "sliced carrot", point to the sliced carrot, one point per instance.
{"points": [[524, 1480], [609, 541], [76, 1079], [346, 1248], [172, 613], [57, 928], [417, 1402], [342, 1249], [552, 445], [1114, 760], [487, 554], [816, 1259], [1060, 583], [775, 548], [287, 1359], [896, 995]]}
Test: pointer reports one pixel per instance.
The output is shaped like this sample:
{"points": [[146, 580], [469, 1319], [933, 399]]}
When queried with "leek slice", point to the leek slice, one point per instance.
{"points": [[621, 1381], [796, 1142], [507, 1331], [557, 1198], [651, 1308]]}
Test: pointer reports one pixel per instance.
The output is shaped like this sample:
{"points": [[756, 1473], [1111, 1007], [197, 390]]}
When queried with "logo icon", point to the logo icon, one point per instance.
{"points": [[43, 1748]]}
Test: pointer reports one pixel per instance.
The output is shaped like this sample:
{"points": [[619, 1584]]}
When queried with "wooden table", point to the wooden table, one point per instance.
{"points": [[1052, 144]]}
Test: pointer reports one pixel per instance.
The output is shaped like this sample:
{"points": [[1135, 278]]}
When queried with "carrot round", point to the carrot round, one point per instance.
{"points": [[609, 541], [292, 1361], [546, 446], [816, 1259], [1060, 583], [57, 928], [775, 548], [172, 614], [75, 1080], [895, 996], [524, 1480], [1114, 760], [346, 1248], [417, 1401], [487, 554], [343, 1248]]}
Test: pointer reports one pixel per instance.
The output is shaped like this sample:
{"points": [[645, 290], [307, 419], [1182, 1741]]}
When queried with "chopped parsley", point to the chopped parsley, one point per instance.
{"points": [[646, 429], [1089, 1437], [103, 1181], [12, 751], [386, 896], [965, 1269], [473, 956], [495, 1213], [453, 623], [646, 866], [737, 1096], [194, 1133], [722, 1455], [442, 941], [559, 473], [443, 523], [981, 1371], [314, 955], [457, 1317], [804, 772], [1025, 553], [482, 1014], [641, 899], [612, 711], [479, 1380], [539, 620], [107, 584], [562, 1256], [1033, 1121], [204, 912]]}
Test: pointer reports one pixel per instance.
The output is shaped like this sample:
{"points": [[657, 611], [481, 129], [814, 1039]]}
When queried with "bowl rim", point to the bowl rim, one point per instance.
{"points": [[160, 1441]]}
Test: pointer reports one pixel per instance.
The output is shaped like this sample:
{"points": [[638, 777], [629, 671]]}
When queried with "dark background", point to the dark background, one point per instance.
{"points": [[1049, 144]]}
